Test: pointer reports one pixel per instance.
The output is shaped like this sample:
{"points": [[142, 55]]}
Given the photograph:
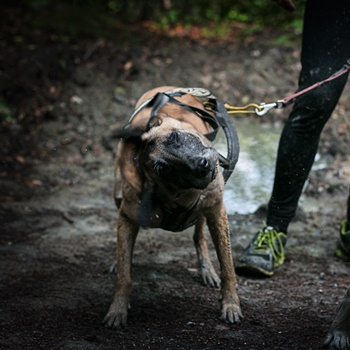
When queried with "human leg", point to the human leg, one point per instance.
{"points": [[343, 246], [324, 51]]}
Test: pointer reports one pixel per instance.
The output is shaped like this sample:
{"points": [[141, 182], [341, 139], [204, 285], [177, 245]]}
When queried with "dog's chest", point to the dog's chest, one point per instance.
{"points": [[175, 217]]}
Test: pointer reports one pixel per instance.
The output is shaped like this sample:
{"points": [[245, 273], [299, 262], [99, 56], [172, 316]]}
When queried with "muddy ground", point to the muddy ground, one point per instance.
{"points": [[58, 218]]}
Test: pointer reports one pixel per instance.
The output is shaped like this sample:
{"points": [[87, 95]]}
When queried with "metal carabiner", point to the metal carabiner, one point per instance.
{"points": [[264, 108]]}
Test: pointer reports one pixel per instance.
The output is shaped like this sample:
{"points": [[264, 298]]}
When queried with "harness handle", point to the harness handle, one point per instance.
{"points": [[227, 125]]}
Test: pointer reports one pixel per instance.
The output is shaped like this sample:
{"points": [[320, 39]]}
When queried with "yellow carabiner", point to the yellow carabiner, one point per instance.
{"points": [[236, 110], [242, 110]]}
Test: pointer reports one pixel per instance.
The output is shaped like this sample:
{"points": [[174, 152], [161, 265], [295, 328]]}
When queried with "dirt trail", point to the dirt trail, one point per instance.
{"points": [[58, 217]]}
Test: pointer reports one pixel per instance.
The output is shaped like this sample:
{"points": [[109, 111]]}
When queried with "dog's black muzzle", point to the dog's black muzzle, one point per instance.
{"points": [[186, 161], [204, 164]]}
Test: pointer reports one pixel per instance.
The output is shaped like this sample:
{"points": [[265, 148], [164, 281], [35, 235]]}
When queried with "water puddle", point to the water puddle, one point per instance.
{"points": [[251, 183]]}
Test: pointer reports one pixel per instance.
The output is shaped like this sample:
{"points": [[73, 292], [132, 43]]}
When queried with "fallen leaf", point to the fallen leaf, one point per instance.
{"points": [[6, 199], [20, 159], [76, 99], [128, 65]]}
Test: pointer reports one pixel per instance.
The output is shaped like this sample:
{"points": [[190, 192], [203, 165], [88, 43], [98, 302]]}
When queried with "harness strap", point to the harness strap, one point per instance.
{"points": [[226, 123], [186, 212], [221, 119], [162, 98]]}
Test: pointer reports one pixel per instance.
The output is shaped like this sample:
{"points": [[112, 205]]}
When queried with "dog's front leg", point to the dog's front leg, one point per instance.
{"points": [[338, 336], [126, 235], [218, 226], [206, 269]]}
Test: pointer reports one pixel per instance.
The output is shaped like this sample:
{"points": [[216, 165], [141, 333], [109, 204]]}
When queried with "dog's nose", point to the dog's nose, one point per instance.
{"points": [[202, 167], [204, 163]]}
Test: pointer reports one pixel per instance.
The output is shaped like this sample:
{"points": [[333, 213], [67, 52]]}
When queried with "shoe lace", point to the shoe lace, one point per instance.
{"points": [[269, 238], [343, 228]]}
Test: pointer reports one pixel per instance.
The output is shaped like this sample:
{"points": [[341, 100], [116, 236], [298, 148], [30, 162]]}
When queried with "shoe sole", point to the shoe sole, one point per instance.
{"points": [[256, 271], [341, 255]]}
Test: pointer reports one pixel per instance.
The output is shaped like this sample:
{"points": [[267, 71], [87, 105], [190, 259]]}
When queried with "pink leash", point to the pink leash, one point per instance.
{"points": [[265, 107]]}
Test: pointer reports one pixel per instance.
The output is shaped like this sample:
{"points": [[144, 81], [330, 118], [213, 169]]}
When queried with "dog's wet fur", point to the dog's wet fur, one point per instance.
{"points": [[167, 175]]}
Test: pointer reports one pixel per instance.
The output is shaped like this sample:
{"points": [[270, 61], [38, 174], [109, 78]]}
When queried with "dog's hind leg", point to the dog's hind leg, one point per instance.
{"points": [[218, 226], [126, 236], [206, 269]]}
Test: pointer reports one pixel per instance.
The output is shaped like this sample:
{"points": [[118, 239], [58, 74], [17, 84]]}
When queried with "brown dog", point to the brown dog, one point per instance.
{"points": [[168, 176]]}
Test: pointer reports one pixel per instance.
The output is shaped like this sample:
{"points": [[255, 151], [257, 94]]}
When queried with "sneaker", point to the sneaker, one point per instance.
{"points": [[343, 247], [264, 253]]}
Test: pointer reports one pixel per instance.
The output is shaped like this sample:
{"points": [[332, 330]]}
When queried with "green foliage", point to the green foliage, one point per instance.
{"points": [[214, 16], [114, 6], [6, 114], [37, 4], [297, 24], [203, 11], [285, 39], [71, 20], [235, 15]]}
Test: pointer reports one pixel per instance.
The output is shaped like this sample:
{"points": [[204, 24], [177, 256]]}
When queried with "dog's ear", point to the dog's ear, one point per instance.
{"points": [[134, 132], [127, 159], [131, 132], [128, 133], [128, 164], [153, 122]]}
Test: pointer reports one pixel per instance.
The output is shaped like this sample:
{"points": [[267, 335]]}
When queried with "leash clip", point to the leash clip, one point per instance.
{"points": [[266, 107]]}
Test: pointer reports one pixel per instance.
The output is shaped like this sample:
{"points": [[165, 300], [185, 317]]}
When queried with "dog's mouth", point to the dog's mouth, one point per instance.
{"points": [[188, 167], [180, 159], [193, 173]]}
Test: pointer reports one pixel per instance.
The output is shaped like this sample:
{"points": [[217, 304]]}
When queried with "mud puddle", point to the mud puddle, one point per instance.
{"points": [[251, 185]]}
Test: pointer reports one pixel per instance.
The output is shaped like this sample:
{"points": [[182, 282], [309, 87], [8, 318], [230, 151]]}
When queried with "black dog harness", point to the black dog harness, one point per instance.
{"points": [[221, 119]]}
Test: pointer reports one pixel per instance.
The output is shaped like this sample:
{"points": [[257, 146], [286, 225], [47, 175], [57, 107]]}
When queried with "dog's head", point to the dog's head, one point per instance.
{"points": [[177, 155], [172, 153]]}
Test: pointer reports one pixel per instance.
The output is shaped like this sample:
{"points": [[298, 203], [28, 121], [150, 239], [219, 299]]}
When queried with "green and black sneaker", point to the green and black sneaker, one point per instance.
{"points": [[343, 247], [264, 253]]}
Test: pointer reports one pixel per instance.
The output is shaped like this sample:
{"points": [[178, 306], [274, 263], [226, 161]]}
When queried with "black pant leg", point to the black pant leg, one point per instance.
{"points": [[325, 49], [348, 211]]}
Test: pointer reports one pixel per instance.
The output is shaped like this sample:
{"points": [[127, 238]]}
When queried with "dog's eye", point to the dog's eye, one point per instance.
{"points": [[161, 168]]}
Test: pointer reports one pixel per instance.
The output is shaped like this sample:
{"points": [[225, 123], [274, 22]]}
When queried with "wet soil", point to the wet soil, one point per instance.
{"points": [[58, 218]]}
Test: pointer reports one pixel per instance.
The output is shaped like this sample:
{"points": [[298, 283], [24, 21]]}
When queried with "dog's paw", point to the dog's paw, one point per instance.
{"points": [[115, 319], [231, 313], [338, 340], [209, 277]]}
